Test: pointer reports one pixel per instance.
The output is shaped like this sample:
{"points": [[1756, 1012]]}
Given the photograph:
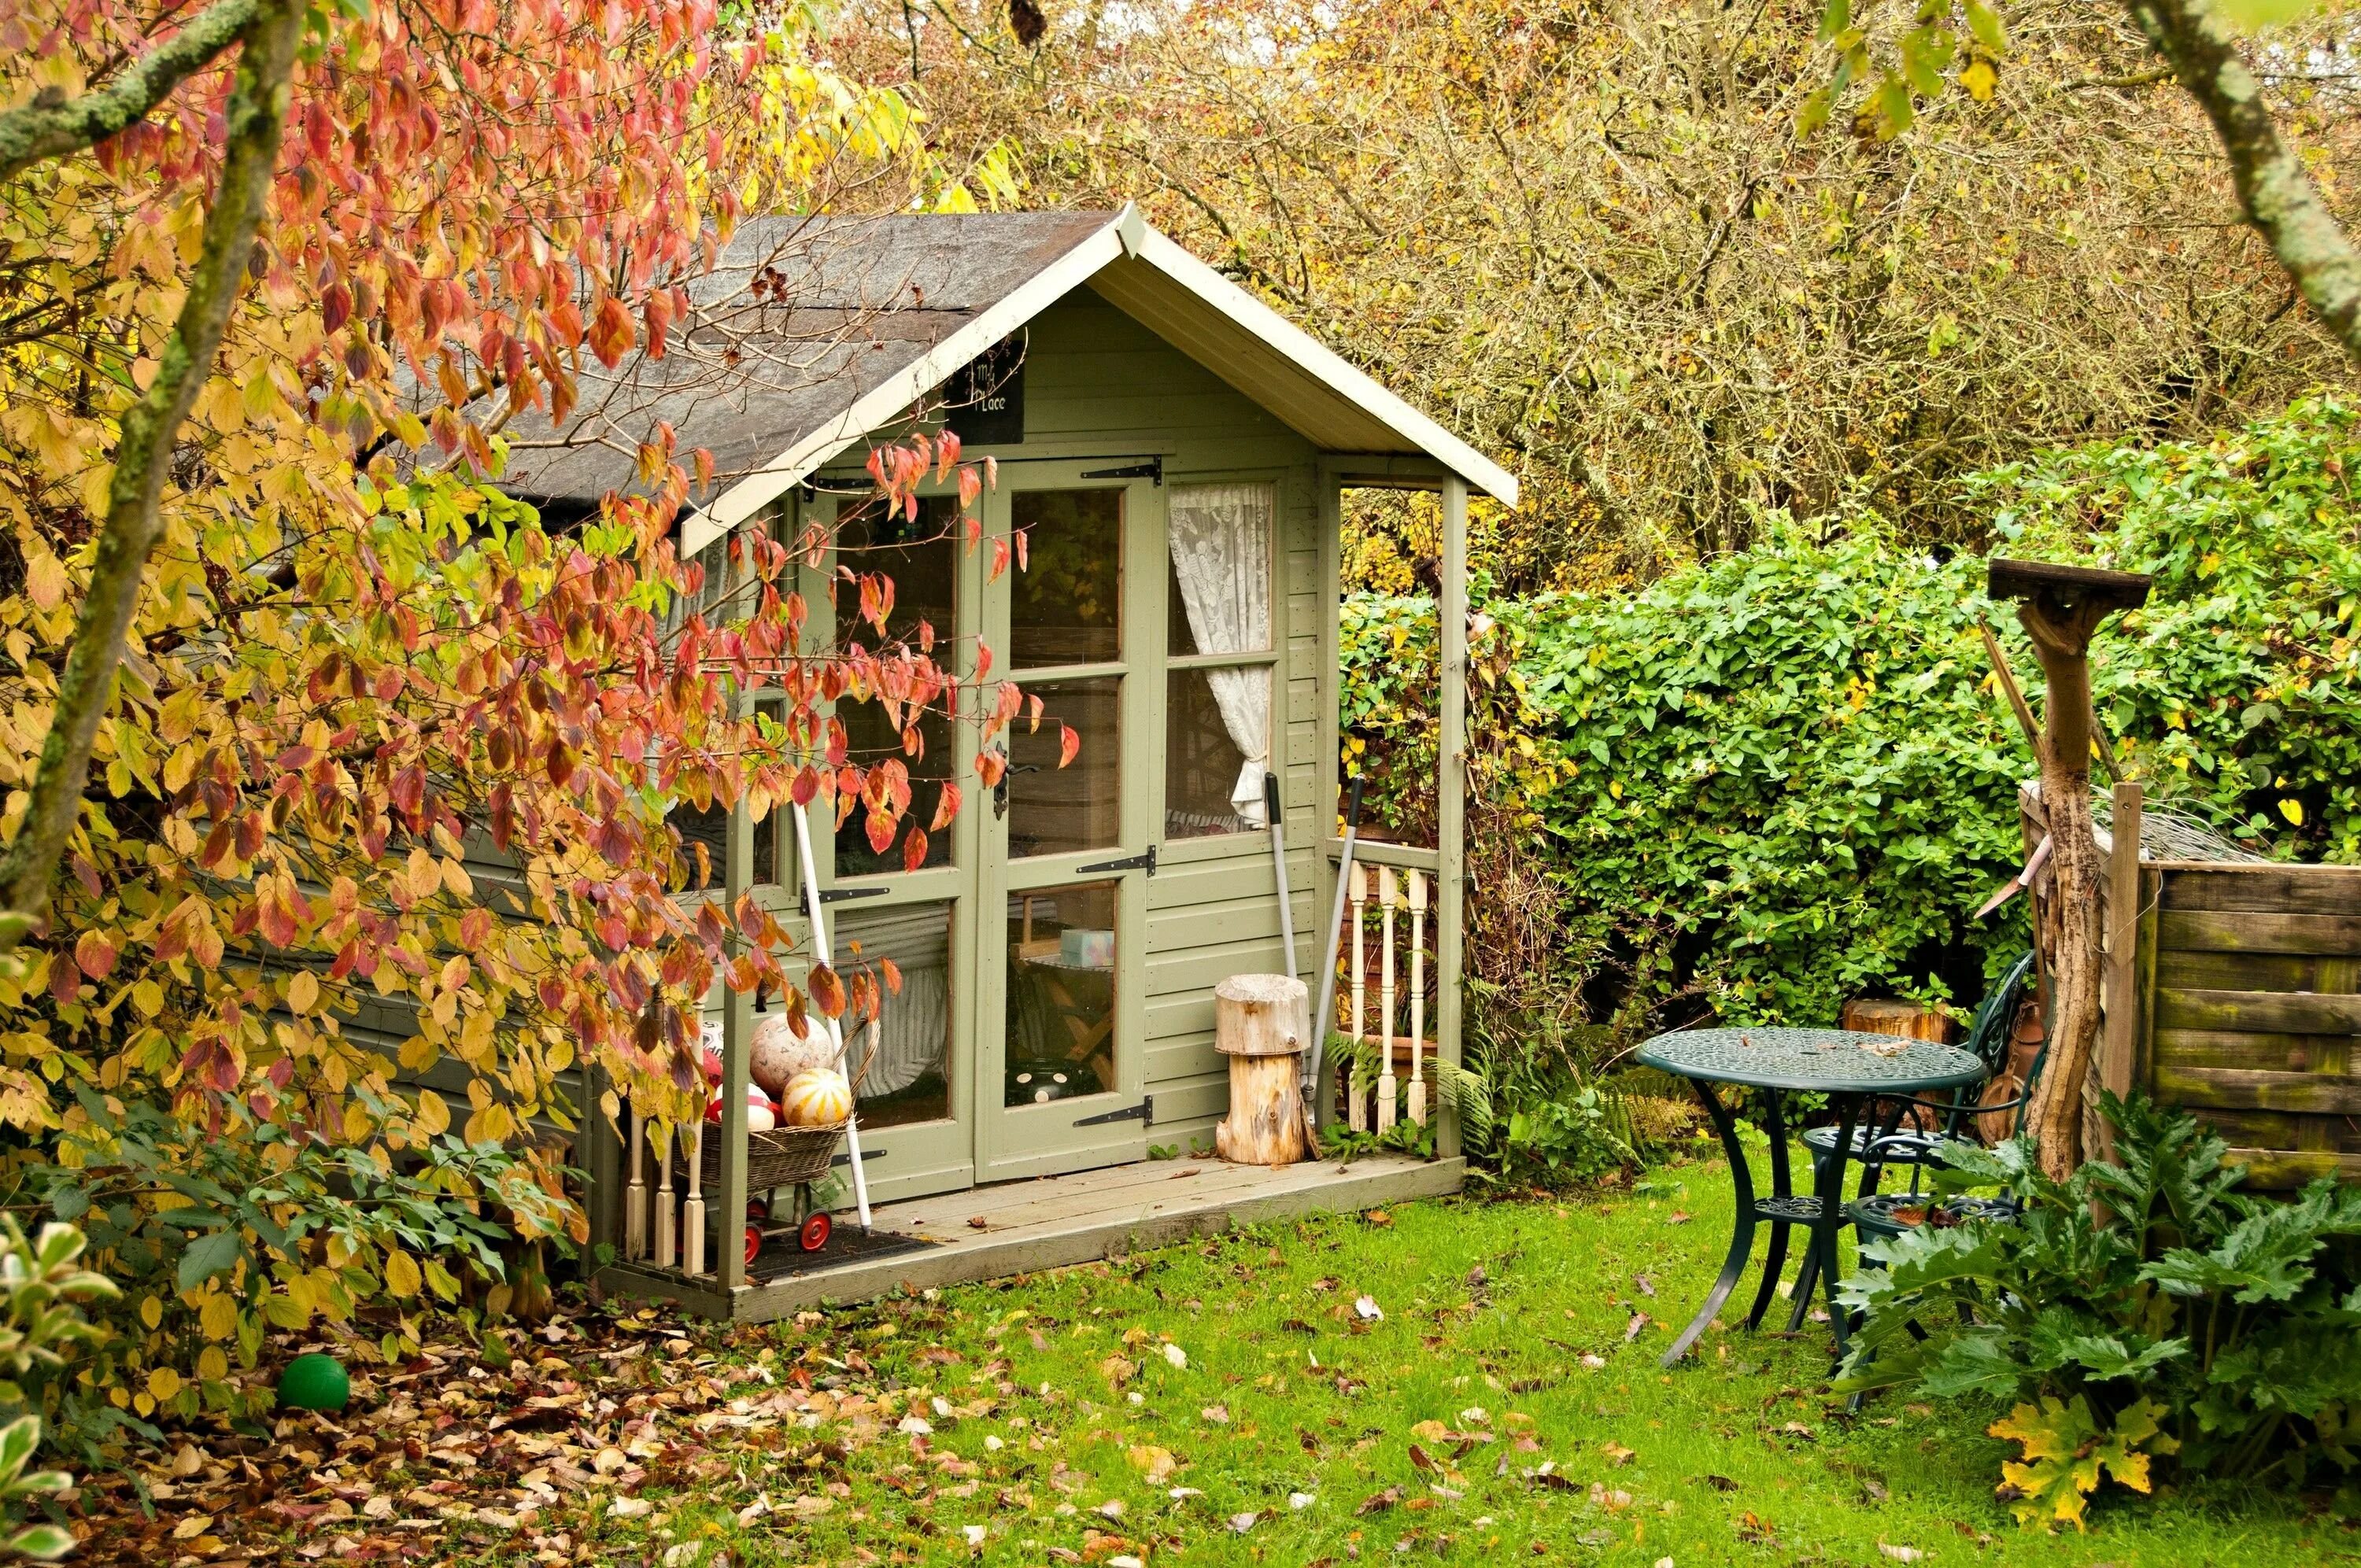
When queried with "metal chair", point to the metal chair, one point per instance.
{"points": [[1988, 1039]]}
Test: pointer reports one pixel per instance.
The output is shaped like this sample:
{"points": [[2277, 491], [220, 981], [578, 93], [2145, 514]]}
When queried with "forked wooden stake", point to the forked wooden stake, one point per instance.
{"points": [[1417, 997], [692, 1213], [667, 1251], [635, 1197], [1355, 1102], [1388, 894]]}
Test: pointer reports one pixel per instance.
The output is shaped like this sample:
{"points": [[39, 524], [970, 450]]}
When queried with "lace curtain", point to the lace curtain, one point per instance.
{"points": [[1221, 557]]}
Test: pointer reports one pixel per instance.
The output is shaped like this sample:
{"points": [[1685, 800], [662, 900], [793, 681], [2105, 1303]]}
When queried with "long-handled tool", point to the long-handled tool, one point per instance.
{"points": [[835, 1031], [1323, 1016], [1279, 863]]}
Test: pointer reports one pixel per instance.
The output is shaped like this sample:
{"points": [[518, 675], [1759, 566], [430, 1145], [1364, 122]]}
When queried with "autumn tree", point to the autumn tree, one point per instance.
{"points": [[379, 789], [1602, 239]]}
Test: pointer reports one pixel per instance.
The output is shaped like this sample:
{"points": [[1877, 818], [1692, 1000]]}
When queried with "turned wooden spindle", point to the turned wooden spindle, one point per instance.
{"points": [[692, 1213], [635, 1197], [1417, 997], [1357, 1103], [1388, 895], [666, 1251]]}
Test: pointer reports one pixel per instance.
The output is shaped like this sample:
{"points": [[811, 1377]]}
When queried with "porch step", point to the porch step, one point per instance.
{"points": [[1020, 1227]]}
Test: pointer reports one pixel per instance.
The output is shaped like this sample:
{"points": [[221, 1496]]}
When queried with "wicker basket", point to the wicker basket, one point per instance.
{"points": [[778, 1158]]}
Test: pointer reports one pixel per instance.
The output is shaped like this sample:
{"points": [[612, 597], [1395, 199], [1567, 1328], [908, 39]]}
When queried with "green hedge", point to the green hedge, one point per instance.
{"points": [[1782, 778]]}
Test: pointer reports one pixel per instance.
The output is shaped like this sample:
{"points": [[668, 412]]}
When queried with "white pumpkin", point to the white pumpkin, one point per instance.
{"points": [[776, 1053], [817, 1097]]}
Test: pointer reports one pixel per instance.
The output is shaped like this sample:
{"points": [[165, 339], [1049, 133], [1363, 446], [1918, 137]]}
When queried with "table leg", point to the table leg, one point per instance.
{"points": [[1776, 1258], [1742, 1237], [1831, 1221]]}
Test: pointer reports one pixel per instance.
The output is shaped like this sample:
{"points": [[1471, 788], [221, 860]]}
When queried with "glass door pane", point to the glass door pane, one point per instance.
{"points": [[906, 1062], [1056, 810], [1061, 1005], [1065, 604]]}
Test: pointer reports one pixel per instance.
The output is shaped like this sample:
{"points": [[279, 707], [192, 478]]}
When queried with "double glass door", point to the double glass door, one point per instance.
{"points": [[1014, 1046]]}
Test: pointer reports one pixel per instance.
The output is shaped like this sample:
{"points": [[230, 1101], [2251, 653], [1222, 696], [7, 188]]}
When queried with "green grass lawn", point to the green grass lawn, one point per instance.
{"points": [[1508, 1407]]}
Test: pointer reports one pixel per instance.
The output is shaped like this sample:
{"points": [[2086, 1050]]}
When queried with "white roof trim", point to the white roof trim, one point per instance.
{"points": [[1327, 367], [1126, 234], [887, 402]]}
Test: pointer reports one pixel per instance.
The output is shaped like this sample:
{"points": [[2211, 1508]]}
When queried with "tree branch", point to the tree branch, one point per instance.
{"points": [[255, 116], [43, 130], [2279, 197]]}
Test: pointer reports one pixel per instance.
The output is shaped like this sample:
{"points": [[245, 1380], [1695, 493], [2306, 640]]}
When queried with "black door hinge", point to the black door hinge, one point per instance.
{"points": [[1151, 469], [837, 896], [1144, 860], [1144, 1114], [868, 1157]]}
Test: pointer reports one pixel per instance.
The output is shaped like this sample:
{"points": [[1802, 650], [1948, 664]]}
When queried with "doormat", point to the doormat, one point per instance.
{"points": [[781, 1258]]}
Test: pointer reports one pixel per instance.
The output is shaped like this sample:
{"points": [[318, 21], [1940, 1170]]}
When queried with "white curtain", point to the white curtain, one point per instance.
{"points": [[1221, 557]]}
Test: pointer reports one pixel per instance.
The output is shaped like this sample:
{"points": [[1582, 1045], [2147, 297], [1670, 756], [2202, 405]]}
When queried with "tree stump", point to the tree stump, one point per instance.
{"points": [[1259, 1024], [1878, 1015]]}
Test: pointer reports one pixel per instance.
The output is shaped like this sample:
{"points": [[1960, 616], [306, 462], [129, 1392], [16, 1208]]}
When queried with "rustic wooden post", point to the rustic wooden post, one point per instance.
{"points": [[1355, 1102], [2061, 607], [1451, 795], [2120, 998], [1258, 1024], [1388, 894]]}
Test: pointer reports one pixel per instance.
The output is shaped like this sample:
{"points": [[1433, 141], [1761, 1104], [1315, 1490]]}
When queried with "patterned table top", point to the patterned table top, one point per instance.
{"points": [[1827, 1060]]}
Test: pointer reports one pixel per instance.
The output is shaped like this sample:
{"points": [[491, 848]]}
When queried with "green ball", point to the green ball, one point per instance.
{"points": [[314, 1382]]}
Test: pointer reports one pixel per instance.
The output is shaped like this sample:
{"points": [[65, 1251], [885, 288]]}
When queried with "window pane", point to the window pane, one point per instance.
{"points": [[1054, 810], [908, 1079], [1061, 948], [920, 555], [871, 739], [1066, 605], [1211, 785], [1220, 569], [711, 827]]}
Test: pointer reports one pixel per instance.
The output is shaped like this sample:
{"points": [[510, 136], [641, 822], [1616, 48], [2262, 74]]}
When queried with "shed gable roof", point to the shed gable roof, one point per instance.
{"points": [[877, 313]]}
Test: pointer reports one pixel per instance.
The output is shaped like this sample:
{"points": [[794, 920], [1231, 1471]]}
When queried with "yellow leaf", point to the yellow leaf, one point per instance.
{"points": [[212, 1363], [163, 1383], [1978, 79], [2292, 810], [402, 1274], [45, 579], [304, 992], [217, 1315], [434, 1116]]}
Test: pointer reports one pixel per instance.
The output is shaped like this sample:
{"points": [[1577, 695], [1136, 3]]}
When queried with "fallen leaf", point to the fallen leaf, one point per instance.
{"points": [[1241, 1523], [1631, 1330], [1156, 1463], [1367, 1306], [1899, 1553], [1217, 1414], [1420, 1458], [1616, 1452], [1380, 1502], [1176, 1355], [1299, 1501], [1721, 1482]]}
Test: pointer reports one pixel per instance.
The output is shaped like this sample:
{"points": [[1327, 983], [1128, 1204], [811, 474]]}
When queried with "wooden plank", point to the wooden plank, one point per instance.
{"points": [[2118, 1042], [2308, 1094], [2144, 964], [2254, 931], [2281, 1170], [2244, 1049], [1269, 1196], [2264, 889], [2189, 970], [1450, 794], [1377, 852], [2272, 1012]]}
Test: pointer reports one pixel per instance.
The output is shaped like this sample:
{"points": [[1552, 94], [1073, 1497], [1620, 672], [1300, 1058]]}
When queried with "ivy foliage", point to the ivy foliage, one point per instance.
{"points": [[1787, 776]]}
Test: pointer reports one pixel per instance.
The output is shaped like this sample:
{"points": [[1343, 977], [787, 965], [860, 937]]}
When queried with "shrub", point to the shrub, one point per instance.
{"points": [[2144, 1309], [1779, 779], [42, 1337]]}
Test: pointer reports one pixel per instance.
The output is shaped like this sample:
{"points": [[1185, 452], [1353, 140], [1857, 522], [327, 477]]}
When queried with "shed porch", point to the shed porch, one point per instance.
{"points": [[1055, 1222]]}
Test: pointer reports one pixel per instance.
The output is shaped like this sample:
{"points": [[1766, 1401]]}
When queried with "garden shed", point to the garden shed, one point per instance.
{"points": [[1173, 453]]}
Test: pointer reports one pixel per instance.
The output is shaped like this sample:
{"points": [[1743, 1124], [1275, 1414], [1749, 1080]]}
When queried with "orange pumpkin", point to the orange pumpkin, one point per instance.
{"points": [[817, 1097]]}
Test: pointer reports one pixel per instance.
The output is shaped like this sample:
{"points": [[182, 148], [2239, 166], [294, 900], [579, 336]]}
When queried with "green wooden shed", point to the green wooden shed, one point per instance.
{"points": [[1174, 452]]}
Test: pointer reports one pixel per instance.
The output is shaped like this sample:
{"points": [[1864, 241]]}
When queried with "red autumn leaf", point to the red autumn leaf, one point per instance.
{"points": [[879, 826], [1024, 538], [1069, 743], [826, 991], [914, 849], [947, 804], [999, 559], [96, 955], [893, 973]]}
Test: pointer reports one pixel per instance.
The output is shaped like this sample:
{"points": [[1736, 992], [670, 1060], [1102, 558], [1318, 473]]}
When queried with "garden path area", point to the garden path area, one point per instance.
{"points": [[1230, 1401]]}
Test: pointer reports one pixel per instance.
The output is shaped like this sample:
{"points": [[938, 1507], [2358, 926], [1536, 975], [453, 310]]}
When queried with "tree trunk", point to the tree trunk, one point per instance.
{"points": [[2069, 929], [1259, 1025], [2276, 191], [256, 115]]}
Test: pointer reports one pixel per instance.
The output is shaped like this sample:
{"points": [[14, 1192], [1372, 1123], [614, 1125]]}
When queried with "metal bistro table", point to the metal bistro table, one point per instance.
{"points": [[1851, 1068]]}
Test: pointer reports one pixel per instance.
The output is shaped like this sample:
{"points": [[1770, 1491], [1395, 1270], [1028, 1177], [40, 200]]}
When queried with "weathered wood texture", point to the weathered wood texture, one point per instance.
{"points": [[1910, 1019], [1020, 1227], [1259, 1024], [2239, 998]]}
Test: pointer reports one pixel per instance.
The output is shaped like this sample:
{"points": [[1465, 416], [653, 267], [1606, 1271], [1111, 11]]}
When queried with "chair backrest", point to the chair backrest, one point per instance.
{"points": [[1995, 1021]]}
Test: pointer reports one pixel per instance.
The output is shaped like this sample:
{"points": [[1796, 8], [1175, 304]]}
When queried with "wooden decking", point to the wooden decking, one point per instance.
{"points": [[987, 1233]]}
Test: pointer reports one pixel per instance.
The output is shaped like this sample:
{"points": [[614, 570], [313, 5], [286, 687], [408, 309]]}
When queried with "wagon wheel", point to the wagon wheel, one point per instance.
{"points": [[813, 1232], [753, 1244]]}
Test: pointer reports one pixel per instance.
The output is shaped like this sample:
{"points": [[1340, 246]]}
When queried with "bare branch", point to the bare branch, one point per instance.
{"points": [[45, 129]]}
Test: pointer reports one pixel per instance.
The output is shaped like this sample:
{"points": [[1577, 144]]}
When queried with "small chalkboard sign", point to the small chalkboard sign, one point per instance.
{"points": [[984, 400]]}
